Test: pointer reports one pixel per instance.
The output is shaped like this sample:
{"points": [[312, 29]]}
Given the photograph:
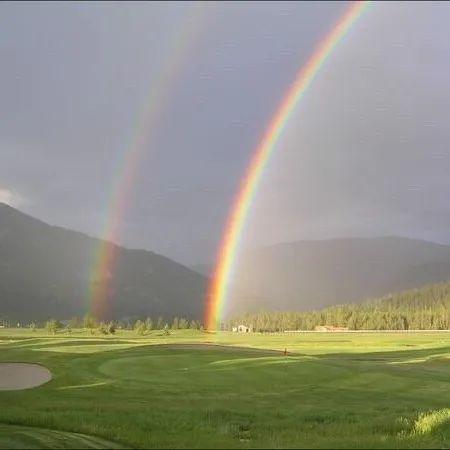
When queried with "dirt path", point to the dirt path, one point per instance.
{"points": [[15, 376]]}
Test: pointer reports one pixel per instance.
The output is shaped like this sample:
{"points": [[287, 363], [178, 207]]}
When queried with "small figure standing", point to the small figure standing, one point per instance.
{"points": [[285, 352]]}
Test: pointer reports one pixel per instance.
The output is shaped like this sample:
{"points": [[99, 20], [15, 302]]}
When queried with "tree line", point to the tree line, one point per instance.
{"points": [[89, 322], [427, 308]]}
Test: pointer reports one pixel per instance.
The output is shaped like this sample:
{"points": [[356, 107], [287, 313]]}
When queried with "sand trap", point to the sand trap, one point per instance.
{"points": [[15, 376]]}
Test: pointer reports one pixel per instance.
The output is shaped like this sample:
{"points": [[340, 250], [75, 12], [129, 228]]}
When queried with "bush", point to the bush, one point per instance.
{"points": [[107, 328], [102, 328], [111, 327]]}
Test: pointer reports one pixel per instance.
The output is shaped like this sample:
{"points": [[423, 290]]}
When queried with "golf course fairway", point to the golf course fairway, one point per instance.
{"points": [[331, 390]]}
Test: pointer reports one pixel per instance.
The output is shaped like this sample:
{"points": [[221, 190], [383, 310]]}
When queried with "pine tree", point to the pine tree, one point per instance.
{"points": [[140, 327], [52, 326], [149, 324]]}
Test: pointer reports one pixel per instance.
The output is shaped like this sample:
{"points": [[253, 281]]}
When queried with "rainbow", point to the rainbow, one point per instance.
{"points": [[227, 255], [104, 260]]}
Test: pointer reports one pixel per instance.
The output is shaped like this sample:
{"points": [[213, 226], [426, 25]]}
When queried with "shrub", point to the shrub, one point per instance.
{"points": [[107, 328]]}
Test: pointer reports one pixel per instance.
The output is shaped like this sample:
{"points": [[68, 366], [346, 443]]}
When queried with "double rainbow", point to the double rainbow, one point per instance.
{"points": [[217, 293]]}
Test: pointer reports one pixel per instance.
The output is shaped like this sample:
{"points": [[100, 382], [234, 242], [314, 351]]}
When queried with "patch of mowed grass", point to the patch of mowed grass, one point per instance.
{"points": [[19, 437], [331, 391]]}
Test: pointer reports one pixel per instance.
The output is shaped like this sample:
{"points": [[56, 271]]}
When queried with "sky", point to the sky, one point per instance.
{"points": [[365, 153]]}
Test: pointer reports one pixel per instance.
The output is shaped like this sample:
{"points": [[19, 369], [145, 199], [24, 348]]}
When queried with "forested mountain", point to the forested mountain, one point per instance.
{"points": [[44, 272], [314, 274], [427, 308]]}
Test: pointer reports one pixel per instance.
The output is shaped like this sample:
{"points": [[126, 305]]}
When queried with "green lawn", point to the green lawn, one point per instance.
{"points": [[332, 390]]}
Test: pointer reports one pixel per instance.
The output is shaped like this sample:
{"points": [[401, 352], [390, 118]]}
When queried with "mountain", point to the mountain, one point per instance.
{"points": [[204, 269], [44, 272], [313, 274]]}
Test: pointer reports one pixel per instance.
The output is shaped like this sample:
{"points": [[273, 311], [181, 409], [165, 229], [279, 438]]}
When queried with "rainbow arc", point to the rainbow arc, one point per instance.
{"points": [[231, 239]]}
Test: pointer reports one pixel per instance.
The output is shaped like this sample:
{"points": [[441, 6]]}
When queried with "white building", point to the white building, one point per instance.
{"points": [[242, 329]]}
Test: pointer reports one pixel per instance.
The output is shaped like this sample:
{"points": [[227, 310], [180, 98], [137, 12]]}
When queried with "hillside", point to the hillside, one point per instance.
{"points": [[426, 308], [314, 274], [44, 272]]}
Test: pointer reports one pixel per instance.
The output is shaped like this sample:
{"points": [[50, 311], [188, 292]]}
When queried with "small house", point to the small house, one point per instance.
{"points": [[242, 329]]}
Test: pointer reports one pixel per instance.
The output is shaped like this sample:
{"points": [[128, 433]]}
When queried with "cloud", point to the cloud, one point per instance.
{"points": [[9, 197]]}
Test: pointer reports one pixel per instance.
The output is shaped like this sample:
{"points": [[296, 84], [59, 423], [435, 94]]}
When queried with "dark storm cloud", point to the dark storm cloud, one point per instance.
{"points": [[365, 153]]}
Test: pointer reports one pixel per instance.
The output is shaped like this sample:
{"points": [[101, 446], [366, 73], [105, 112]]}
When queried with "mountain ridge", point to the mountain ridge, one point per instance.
{"points": [[44, 272], [309, 274]]}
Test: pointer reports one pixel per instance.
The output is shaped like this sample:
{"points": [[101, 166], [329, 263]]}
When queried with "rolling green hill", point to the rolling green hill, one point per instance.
{"points": [[44, 272]]}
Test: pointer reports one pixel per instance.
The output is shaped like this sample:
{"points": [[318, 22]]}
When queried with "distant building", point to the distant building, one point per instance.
{"points": [[329, 328], [242, 329]]}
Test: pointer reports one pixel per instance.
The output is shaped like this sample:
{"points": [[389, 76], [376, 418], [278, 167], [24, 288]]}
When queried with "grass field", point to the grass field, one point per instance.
{"points": [[360, 390]]}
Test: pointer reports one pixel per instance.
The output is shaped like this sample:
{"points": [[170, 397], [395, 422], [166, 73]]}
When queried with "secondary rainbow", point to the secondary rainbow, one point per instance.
{"points": [[105, 258], [217, 293]]}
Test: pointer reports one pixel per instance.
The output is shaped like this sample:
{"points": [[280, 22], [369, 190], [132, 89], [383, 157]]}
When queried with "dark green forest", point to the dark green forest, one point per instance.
{"points": [[427, 308]]}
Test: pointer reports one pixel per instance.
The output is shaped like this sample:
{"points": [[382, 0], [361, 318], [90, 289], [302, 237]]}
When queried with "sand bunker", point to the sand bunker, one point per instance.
{"points": [[14, 376]]}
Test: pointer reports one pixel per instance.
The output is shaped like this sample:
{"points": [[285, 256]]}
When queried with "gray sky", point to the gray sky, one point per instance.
{"points": [[366, 152]]}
